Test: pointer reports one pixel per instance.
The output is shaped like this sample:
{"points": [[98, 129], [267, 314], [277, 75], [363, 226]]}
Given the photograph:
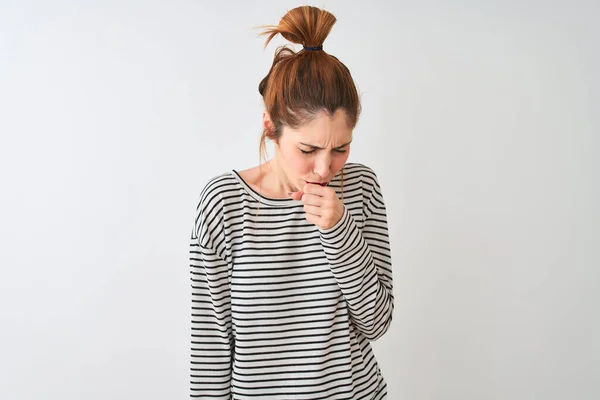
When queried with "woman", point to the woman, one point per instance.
{"points": [[290, 260]]}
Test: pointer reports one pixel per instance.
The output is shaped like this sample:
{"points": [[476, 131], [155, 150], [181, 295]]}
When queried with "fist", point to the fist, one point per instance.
{"points": [[321, 204]]}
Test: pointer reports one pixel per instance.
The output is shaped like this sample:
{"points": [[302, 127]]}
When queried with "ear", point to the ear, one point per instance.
{"points": [[267, 123], [269, 127]]}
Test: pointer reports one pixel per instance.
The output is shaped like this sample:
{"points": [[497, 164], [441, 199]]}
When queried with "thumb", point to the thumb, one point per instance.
{"points": [[296, 195]]}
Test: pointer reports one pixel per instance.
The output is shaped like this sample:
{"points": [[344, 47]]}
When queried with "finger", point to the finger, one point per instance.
{"points": [[314, 189], [296, 195], [313, 210], [312, 199], [315, 219]]}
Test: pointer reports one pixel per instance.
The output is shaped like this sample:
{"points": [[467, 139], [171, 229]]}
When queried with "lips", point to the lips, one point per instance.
{"points": [[318, 183]]}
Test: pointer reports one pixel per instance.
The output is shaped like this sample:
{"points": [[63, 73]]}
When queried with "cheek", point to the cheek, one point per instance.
{"points": [[299, 162], [340, 160]]}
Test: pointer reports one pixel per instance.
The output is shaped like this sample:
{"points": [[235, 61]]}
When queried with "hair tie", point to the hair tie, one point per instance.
{"points": [[313, 48]]}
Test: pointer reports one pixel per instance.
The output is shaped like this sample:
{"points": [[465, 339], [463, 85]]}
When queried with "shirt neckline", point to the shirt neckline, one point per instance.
{"points": [[262, 198]]}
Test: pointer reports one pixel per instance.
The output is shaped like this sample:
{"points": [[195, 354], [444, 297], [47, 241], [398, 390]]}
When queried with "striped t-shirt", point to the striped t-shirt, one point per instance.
{"points": [[282, 309]]}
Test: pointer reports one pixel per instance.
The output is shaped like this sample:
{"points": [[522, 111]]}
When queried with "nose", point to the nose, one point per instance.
{"points": [[322, 165]]}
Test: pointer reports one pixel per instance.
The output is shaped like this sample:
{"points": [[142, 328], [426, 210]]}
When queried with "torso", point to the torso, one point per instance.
{"points": [[290, 319]]}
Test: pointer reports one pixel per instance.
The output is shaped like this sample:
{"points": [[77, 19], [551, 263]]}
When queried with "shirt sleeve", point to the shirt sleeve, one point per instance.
{"points": [[360, 260], [212, 341]]}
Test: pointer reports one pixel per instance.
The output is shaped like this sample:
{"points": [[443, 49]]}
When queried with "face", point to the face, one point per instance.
{"points": [[314, 152]]}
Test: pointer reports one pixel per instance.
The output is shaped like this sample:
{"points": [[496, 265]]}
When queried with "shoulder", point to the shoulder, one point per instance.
{"points": [[214, 187], [362, 180], [208, 222], [361, 173]]}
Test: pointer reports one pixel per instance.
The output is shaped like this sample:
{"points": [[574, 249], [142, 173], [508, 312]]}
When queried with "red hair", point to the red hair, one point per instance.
{"points": [[302, 84]]}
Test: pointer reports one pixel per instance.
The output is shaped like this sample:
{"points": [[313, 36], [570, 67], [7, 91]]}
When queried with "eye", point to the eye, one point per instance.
{"points": [[340, 151]]}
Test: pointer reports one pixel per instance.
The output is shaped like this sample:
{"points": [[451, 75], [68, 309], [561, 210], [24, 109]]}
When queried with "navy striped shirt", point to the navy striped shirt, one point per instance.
{"points": [[282, 309]]}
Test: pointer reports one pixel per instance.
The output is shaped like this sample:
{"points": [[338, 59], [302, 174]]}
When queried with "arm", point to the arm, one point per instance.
{"points": [[361, 264], [212, 339]]}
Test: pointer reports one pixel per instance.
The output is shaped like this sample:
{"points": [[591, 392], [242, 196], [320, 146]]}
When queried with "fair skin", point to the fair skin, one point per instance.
{"points": [[295, 174]]}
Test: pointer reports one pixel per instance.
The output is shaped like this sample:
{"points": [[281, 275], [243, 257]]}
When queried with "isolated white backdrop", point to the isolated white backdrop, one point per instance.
{"points": [[481, 119]]}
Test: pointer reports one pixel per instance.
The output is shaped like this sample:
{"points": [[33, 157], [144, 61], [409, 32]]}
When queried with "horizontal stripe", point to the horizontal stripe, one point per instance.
{"points": [[282, 309]]}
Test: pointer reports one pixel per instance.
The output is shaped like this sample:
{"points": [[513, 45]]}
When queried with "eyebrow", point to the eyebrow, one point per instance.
{"points": [[321, 148]]}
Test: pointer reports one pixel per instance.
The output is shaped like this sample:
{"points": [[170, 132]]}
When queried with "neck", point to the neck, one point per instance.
{"points": [[275, 181]]}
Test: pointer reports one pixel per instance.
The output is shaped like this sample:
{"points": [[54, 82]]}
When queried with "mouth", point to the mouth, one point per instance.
{"points": [[318, 183]]}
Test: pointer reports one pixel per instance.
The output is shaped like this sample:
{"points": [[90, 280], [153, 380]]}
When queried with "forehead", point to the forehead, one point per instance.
{"points": [[322, 131]]}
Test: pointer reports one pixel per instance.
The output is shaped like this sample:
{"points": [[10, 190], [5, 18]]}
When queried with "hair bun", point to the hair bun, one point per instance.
{"points": [[305, 25]]}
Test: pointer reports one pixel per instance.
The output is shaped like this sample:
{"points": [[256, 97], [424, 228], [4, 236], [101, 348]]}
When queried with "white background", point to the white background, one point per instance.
{"points": [[481, 119]]}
